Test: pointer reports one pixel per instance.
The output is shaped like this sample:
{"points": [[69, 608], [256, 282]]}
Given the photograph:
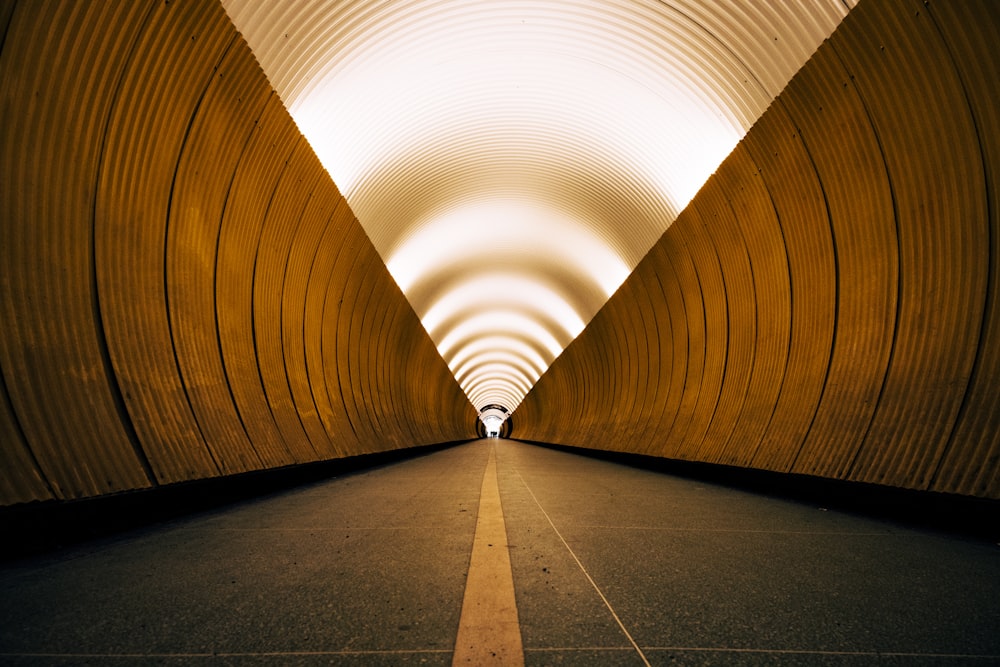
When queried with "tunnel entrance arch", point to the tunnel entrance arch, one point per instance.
{"points": [[494, 421]]}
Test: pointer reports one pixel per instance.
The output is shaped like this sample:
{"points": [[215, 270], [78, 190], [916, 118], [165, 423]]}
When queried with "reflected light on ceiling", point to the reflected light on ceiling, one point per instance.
{"points": [[506, 233], [510, 291], [498, 344], [513, 161], [497, 322], [491, 359]]}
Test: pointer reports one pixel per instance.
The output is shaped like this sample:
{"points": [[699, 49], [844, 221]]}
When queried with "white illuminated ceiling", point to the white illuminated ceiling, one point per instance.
{"points": [[512, 161]]}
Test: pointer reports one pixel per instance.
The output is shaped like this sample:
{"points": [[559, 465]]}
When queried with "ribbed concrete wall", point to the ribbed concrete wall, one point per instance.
{"points": [[828, 303], [184, 292]]}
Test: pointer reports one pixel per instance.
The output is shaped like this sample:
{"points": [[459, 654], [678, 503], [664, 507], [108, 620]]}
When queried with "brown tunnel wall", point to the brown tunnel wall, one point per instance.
{"points": [[828, 303], [184, 292]]}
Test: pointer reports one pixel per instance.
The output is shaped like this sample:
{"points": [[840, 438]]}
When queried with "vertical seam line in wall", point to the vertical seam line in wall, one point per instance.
{"points": [[862, 442], [107, 365], [723, 450], [362, 383], [651, 324], [23, 436], [791, 309], [215, 272], [836, 286], [281, 310], [664, 350], [324, 376], [253, 285], [688, 378], [6, 28], [166, 268], [652, 388], [624, 335], [305, 313], [729, 337], [383, 386], [687, 342], [336, 340], [989, 296]]}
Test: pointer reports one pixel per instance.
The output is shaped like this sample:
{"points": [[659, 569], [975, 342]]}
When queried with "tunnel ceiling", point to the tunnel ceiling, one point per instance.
{"points": [[513, 161]]}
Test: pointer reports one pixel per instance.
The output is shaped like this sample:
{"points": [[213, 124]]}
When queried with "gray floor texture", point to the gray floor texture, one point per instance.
{"points": [[612, 565]]}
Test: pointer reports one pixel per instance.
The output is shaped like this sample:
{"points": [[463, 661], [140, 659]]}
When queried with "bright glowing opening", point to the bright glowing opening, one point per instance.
{"points": [[493, 424]]}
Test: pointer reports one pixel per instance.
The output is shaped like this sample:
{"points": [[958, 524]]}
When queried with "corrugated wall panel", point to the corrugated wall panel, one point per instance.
{"points": [[657, 362], [351, 315], [768, 266], [673, 328], [739, 300], [797, 195], [971, 464], [619, 387], [381, 387], [592, 376], [391, 386], [334, 304], [851, 168], [386, 384], [838, 274], [329, 252], [145, 135], [215, 136], [24, 482], [291, 196], [692, 346], [52, 349], [255, 181], [623, 332], [712, 292], [162, 287], [6, 11], [371, 310], [309, 229], [930, 146]]}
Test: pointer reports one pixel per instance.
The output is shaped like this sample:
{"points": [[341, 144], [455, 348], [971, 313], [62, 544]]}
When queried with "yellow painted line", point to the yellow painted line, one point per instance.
{"points": [[488, 629]]}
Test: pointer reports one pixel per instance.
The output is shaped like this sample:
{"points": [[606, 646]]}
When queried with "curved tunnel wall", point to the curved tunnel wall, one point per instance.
{"points": [[184, 292], [828, 303]]}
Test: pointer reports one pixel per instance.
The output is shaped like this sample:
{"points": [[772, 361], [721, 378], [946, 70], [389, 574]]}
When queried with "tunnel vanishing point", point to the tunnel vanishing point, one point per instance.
{"points": [[185, 294]]}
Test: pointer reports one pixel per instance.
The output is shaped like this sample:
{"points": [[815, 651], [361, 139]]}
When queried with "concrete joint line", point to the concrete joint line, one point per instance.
{"points": [[593, 583], [488, 629]]}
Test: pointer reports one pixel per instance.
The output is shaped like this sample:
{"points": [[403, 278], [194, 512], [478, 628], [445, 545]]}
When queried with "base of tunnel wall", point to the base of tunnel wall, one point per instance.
{"points": [[35, 528], [965, 516]]}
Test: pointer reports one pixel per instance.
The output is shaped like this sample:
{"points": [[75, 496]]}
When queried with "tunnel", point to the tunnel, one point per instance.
{"points": [[189, 292]]}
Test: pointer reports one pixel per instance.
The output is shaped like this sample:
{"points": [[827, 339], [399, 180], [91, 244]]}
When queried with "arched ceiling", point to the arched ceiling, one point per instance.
{"points": [[512, 161]]}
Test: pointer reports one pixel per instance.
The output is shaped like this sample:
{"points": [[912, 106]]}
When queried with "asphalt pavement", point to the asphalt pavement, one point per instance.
{"points": [[611, 565]]}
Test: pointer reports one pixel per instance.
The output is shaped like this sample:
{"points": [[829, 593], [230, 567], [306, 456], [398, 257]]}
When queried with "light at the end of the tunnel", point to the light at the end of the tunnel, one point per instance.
{"points": [[492, 424]]}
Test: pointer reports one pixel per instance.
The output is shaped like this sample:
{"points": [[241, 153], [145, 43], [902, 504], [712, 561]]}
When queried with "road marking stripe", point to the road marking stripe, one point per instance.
{"points": [[488, 629]]}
